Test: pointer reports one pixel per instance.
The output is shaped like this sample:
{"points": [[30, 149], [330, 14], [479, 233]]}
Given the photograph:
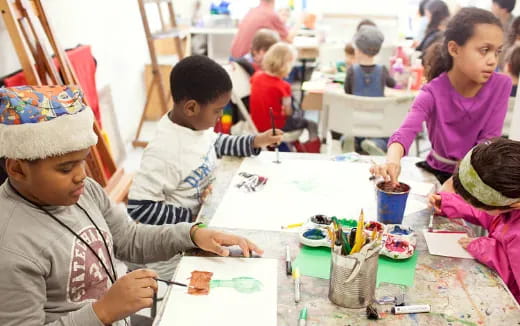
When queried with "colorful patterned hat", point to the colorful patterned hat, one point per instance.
{"points": [[37, 122]]}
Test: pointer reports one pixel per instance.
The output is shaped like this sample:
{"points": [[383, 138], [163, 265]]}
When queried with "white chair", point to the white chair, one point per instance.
{"points": [[241, 88], [506, 130], [363, 116]]}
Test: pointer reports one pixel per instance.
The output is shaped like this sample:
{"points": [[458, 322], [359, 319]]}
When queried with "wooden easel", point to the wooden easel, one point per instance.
{"points": [[31, 34], [169, 30]]}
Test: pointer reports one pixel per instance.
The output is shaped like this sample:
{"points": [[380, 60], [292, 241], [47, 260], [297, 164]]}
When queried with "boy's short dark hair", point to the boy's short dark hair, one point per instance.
{"points": [[264, 38], [513, 60], [349, 49], [508, 5], [198, 78]]}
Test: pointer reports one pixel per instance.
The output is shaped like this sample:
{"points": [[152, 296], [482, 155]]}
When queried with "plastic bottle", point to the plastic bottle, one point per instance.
{"points": [[397, 72]]}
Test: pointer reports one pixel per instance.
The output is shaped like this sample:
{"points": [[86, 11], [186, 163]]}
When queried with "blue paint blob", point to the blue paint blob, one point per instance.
{"points": [[398, 231], [314, 234]]}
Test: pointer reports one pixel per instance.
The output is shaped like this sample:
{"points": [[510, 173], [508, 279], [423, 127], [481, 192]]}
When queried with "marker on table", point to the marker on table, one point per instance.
{"points": [[274, 134], [302, 320], [411, 309], [288, 268], [297, 284]]}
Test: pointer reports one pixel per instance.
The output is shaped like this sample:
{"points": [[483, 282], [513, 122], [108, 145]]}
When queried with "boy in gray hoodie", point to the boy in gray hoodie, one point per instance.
{"points": [[59, 232]]}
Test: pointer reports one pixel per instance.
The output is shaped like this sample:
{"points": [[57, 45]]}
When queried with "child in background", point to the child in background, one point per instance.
{"points": [[350, 55], [269, 90], [465, 101], [365, 22], [262, 41], [512, 67], [512, 39], [365, 78], [488, 178], [59, 231], [177, 166]]}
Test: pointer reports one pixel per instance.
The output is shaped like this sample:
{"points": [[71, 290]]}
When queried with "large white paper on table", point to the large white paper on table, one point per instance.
{"points": [[296, 189], [223, 305], [419, 188], [446, 244]]}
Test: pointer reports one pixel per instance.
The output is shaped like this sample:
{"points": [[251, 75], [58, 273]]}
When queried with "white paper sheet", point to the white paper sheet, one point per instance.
{"points": [[223, 306], [446, 244], [296, 190], [419, 188]]}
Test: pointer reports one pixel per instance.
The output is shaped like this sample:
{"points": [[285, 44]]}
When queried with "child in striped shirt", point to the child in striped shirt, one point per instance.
{"points": [[177, 166]]}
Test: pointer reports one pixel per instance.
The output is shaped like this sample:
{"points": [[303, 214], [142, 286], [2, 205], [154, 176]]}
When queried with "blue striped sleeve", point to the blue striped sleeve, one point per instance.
{"points": [[235, 146], [157, 213]]}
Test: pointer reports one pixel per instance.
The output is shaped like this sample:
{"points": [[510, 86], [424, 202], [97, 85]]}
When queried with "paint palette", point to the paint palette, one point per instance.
{"points": [[315, 237], [399, 242]]}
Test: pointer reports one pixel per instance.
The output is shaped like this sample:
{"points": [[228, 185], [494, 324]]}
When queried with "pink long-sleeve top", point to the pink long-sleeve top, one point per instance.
{"points": [[455, 123], [499, 250]]}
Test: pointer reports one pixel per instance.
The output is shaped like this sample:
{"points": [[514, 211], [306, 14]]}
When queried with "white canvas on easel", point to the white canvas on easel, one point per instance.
{"points": [[296, 189], [223, 305]]}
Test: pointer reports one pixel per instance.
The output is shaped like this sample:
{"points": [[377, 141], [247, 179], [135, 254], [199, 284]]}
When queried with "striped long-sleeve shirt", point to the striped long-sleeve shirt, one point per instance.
{"points": [[177, 166]]}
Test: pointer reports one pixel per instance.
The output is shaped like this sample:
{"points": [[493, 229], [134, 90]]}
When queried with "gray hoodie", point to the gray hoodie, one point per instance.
{"points": [[49, 277]]}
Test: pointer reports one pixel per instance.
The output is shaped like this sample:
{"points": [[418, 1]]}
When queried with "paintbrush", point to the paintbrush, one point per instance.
{"points": [[372, 177], [430, 225], [177, 283], [274, 134]]}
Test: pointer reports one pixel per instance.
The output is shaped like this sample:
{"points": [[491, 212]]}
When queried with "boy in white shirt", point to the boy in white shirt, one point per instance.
{"points": [[177, 166]]}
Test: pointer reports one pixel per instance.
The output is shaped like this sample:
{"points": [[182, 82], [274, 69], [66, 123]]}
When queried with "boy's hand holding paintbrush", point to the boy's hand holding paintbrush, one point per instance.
{"points": [[268, 139]]}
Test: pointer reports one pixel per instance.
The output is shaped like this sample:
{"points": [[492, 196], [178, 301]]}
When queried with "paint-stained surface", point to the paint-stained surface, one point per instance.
{"points": [[461, 292]]}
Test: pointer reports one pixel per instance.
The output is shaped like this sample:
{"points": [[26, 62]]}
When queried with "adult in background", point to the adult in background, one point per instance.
{"points": [[438, 14], [263, 16], [503, 9]]}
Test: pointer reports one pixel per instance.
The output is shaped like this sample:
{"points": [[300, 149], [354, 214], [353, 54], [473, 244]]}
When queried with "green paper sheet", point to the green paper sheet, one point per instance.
{"points": [[314, 262], [396, 271]]}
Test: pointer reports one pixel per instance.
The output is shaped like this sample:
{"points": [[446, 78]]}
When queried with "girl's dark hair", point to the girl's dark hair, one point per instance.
{"points": [[422, 7], [497, 162], [439, 13], [514, 31], [460, 29]]}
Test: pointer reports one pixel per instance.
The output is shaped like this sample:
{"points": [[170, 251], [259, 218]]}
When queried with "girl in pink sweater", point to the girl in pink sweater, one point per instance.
{"points": [[488, 178]]}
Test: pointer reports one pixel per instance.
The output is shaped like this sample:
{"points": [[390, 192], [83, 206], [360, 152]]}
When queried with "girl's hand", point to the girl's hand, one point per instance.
{"points": [[215, 241], [268, 139], [464, 242], [434, 201], [128, 294], [389, 171]]}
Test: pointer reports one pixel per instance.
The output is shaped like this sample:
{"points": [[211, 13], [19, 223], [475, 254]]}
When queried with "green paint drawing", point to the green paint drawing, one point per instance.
{"points": [[242, 284], [306, 185]]}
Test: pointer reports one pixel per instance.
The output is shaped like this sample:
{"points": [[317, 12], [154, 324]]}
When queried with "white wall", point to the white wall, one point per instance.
{"points": [[114, 30]]}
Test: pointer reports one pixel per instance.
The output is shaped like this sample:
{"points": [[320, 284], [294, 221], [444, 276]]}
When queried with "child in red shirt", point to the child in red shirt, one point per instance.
{"points": [[269, 90]]}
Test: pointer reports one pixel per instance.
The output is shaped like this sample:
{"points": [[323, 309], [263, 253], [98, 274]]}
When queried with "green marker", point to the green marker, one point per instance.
{"points": [[302, 320]]}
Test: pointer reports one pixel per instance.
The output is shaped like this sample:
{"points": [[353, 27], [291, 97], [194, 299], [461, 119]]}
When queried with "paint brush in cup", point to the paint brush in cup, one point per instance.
{"points": [[430, 225], [274, 134]]}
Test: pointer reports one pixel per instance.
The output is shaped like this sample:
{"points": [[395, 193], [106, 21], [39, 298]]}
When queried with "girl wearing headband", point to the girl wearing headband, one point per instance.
{"points": [[488, 178]]}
